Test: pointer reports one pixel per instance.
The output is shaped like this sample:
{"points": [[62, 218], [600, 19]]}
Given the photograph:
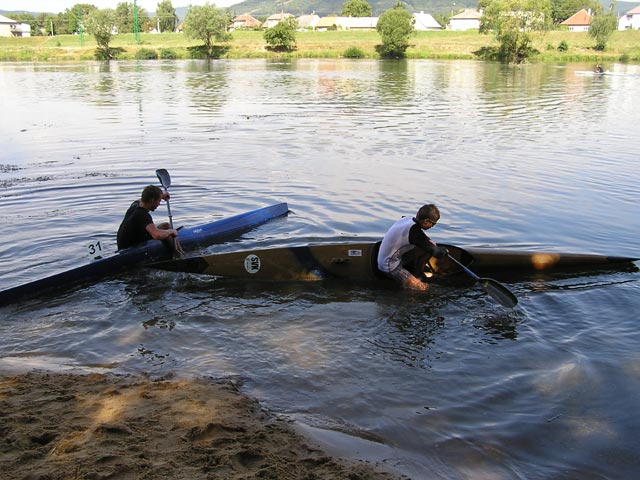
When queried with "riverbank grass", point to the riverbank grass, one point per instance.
{"points": [[623, 46]]}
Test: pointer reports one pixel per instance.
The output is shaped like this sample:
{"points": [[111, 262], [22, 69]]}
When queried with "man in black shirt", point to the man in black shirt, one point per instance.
{"points": [[137, 226]]}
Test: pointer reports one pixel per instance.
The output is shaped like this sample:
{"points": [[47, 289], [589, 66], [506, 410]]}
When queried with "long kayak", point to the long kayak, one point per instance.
{"points": [[190, 238], [593, 73], [357, 261]]}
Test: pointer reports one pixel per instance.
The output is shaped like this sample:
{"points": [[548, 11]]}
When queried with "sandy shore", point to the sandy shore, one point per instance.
{"points": [[66, 426]]}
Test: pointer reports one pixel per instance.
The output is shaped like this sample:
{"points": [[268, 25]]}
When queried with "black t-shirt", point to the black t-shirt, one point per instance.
{"points": [[133, 229]]}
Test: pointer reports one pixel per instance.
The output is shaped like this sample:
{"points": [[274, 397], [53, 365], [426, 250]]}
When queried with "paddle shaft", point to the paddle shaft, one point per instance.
{"points": [[469, 272], [169, 211]]}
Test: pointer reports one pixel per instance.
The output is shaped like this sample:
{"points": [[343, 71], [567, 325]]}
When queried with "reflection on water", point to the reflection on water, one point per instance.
{"points": [[456, 387]]}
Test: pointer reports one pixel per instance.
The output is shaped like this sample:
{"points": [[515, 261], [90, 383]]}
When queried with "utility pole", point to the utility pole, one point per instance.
{"points": [[136, 22]]}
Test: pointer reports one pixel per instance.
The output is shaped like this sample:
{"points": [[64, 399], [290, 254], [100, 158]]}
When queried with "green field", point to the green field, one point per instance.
{"points": [[623, 46]]}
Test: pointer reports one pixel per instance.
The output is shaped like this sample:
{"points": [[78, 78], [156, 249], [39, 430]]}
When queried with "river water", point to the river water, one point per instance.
{"points": [[439, 385]]}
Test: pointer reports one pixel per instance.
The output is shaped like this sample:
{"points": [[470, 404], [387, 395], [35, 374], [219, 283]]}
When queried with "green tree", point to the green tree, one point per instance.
{"points": [[282, 36], [60, 24], [47, 23], [166, 15], [100, 24], [124, 17], [207, 23], [395, 27], [602, 26], [77, 15], [356, 8], [512, 21]]}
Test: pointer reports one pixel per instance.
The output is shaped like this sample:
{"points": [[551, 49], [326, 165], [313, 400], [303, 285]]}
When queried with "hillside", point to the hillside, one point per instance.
{"points": [[329, 7]]}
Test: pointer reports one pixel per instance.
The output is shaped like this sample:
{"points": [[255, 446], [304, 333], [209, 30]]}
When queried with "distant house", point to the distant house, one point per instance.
{"points": [[357, 23], [425, 21], [5, 26], [347, 23], [469, 19], [579, 21], [327, 23], [630, 20], [275, 19], [245, 21], [308, 21], [11, 28]]}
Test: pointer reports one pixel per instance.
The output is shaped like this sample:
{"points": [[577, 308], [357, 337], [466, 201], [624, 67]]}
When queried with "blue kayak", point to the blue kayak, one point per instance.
{"points": [[191, 238]]}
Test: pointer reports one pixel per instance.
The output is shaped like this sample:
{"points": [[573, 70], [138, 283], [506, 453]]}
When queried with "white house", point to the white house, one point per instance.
{"points": [[326, 23], [357, 23], [425, 21], [579, 21], [245, 21], [346, 23], [630, 20], [469, 19], [5, 26], [11, 28], [308, 21], [275, 19], [21, 30]]}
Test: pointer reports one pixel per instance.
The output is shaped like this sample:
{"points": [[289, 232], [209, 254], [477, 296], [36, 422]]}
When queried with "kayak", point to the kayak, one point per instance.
{"points": [[358, 262], [190, 238], [590, 73]]}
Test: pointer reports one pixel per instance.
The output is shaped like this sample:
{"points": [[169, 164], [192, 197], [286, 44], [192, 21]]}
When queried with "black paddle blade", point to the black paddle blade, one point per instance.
{"points": [[164, 177], [498, 292]]}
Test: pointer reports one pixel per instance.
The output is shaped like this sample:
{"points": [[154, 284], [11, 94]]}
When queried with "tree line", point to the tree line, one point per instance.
{"points": [[72, 20], [511, 22]]}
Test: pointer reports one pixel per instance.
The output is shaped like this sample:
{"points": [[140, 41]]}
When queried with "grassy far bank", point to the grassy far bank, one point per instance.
{"points": [[623, 46]]}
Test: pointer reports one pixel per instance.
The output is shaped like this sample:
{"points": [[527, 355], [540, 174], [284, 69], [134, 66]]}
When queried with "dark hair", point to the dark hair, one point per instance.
{"points": [[428, 212], [151, 193]]}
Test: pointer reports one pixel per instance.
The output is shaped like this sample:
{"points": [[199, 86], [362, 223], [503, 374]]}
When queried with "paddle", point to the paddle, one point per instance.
{"points": [[165, 181], [495, 289]]}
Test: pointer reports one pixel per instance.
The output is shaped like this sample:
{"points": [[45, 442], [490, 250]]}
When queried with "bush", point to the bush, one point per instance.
{"points": [[108, 54], [146, 54], [395, 26], [353, 52], [563, 46], [282, 36], [198, 52], [168, 54]]}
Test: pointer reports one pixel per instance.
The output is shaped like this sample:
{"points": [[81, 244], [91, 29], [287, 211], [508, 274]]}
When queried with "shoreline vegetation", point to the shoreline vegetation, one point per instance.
{"points": [[624, 46]]}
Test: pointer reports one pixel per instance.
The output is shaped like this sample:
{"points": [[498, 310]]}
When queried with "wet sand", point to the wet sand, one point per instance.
{"points": [[96, 426]]}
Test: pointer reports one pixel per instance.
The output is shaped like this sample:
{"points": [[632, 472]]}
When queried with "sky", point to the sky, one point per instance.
{"points": [[57, 6]]}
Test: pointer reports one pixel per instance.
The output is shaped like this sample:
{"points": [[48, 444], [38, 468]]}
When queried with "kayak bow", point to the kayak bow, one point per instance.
{"points": [[190, 238]]}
